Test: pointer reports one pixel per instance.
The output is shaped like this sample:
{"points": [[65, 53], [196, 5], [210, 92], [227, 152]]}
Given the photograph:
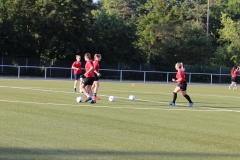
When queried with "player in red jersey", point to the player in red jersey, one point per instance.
{"points": [[77, 69], [88, 81], [234, 73], [95, 86], [182, 85]]}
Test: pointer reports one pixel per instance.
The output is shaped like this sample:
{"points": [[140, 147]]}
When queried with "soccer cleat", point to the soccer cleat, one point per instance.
{"points": [[172, 104], [88, 99], [96, 97], [190, 104], [93, 101], [75, 90], [80, 91]]}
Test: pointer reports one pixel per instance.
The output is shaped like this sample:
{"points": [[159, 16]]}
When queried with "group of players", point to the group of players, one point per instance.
{"points": [[91, 76], [92, 83]]}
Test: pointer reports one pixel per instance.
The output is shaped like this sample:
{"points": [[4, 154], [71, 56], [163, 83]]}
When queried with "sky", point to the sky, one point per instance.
{"points": [[95, 1]]}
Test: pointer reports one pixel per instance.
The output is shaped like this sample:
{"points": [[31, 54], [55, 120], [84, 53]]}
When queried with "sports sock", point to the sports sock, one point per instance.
{"points": [[174, 97], [188, 98], [95, 94], [93, 98], [87, 95]]}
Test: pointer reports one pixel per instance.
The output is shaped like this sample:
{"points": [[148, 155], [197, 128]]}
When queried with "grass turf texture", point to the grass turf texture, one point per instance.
{"points": [[40, 119]]}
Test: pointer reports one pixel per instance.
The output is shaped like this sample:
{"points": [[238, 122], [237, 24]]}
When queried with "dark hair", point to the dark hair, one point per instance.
{"points": [[88, 55]]}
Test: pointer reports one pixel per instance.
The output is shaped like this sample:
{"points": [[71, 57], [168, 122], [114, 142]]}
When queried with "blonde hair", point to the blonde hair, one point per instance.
{"points": [[180, 65], [97, 56]]}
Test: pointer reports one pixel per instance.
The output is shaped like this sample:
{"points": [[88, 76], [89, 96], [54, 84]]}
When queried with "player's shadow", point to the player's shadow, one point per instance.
{"points": [[58, 154]]}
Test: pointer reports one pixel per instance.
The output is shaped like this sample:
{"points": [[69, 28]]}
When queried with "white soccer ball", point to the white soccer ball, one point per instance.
{"points": [[132, 97], [79, 99], [111, 98]]}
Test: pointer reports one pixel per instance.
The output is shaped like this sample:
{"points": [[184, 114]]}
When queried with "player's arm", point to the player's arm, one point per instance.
{"points": [[73, 67], [90, 69], [177, 80], [95, 71]]}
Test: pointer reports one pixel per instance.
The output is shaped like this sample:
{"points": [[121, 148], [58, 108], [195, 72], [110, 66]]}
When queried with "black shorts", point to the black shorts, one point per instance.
{"points": [[96, 77], [234, 79], [88, 81], [78, 76], [183, 86]]}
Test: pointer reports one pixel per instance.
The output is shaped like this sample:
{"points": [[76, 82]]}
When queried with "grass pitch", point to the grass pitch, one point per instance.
{"points": [[40, 119]]}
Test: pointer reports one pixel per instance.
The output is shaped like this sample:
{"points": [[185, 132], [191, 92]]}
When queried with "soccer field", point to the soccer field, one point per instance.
{"points": [[41, 120]]}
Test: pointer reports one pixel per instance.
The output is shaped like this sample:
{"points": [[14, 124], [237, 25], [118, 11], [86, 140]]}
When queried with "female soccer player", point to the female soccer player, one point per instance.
{"points": [[88, 81], [95, 86], [234, 73], [182, 85], [77, 68]]}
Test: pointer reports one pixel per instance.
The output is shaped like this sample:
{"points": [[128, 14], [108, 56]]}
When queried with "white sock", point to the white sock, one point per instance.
{"points": [[93, 98], [87, 95], [235, 86]]}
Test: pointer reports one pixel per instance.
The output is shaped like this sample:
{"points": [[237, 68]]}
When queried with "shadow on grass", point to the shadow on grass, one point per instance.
{"points": [[27, 153]]}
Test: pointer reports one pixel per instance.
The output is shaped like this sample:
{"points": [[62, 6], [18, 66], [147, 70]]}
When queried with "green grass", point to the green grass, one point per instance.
{"points": [[40, 119]]}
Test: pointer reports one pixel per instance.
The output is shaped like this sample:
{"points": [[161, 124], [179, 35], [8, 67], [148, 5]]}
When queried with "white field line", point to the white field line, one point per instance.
{"points": [[51, 90], [112, 107], [209, 109], [205, 95]]}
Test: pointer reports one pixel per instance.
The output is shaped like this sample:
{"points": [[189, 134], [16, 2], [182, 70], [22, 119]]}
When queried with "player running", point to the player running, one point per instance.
{"points": [[88, 81], [234, 73], [77, 69], [95, 86], [182, 85]]}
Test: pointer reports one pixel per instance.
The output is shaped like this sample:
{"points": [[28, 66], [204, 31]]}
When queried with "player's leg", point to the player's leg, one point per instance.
{"points": [[176, 90], [96, 84], [84, 84], [75, 82], [183, 88], [90, 90], [80, 84]]}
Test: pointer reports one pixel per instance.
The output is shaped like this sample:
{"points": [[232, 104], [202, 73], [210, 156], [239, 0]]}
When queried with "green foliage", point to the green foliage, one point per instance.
{"points": [[230, 40], [151, 32], [114, 38]]}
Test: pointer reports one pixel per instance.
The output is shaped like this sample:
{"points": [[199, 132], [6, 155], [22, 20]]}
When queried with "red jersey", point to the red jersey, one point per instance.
{"points": [[179, 75], [96, 65], [78, 65], [234, 74], [88, 65]]}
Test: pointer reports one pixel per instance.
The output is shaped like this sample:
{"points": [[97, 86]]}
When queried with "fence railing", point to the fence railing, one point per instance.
{"points": [[112, 74]]}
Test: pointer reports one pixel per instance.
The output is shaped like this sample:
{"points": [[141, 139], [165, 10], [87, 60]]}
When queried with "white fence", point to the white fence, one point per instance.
{"points": [[119, 75]]}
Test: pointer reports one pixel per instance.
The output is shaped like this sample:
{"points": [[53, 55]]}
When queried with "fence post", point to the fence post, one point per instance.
{"points": [[26, 63], [167, 76], [2, 65], [121, 76], [18, 72], [189, 78], [144, 78], [71, 73], [211, 78], [45, 73]]}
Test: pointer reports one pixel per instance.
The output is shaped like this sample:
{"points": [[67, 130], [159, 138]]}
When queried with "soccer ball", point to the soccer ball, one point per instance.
{"points": [[111, 98], [131, 97], [79, 99]]}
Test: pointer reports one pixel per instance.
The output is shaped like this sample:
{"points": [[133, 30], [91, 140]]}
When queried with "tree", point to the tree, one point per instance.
{"points": [[229, 50], [114, 38]]}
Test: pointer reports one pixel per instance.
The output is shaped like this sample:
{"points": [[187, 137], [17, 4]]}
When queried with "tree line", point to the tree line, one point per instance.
{"points": [[150, 32]]}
